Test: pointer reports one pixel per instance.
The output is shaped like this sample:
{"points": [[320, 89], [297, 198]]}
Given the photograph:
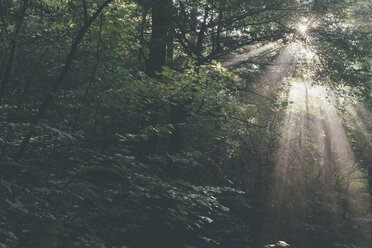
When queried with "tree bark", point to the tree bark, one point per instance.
{"points": [[92, 76], [201, 33], [178, 118], [13, 49], [161, 14]]}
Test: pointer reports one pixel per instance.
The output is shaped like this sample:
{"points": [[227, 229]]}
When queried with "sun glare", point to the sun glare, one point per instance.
{"points": [[302, 27]]}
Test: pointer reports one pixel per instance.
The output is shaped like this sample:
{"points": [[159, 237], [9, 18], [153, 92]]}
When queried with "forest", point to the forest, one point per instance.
{"points": [[185, 123]]}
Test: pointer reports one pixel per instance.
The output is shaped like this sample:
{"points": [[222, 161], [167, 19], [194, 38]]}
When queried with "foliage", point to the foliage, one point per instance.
{"points": [[96, 153]]}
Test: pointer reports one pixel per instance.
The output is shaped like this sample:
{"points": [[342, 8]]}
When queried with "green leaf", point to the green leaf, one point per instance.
{"points": [[218, 65], [18, 205], [282, 244], [11, 235], [2, 245], [284, 104]]}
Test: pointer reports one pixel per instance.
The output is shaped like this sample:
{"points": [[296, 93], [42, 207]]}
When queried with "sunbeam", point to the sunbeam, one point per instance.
{"points": [[315, 154], [253, 53], [270, 80]]}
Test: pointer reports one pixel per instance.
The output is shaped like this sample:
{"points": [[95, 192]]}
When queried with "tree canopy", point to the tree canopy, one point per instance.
{"points": [[184, 123]]}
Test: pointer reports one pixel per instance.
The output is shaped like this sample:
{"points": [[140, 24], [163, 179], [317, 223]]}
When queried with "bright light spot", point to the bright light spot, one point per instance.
{"points": [[302, 27], [307, 53]]}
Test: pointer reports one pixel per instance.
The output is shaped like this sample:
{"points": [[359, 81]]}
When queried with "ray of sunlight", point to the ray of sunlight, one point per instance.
{"points": [[245, 56]]}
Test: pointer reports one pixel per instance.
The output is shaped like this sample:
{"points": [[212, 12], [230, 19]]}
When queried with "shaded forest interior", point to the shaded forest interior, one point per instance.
{"points": [[185, 123]]}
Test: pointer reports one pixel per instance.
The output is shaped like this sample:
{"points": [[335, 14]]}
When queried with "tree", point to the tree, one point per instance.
{"points": [[161, 12]]}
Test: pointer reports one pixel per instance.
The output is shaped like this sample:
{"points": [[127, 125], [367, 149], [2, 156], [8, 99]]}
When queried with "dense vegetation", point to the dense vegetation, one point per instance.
{"points": [[121, 126]]}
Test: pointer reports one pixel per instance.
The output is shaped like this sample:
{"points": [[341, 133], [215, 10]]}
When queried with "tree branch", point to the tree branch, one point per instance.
{"points": [[62, 75], [13, 49], [85, 10]]}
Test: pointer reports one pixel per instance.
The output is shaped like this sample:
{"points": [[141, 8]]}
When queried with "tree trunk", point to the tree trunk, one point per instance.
{"points": [[178, 118], [327, 156], [13, 48], [170, 47], [370, 185], [142, 27], [159, 37], [201, 34], [370, 195]]}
